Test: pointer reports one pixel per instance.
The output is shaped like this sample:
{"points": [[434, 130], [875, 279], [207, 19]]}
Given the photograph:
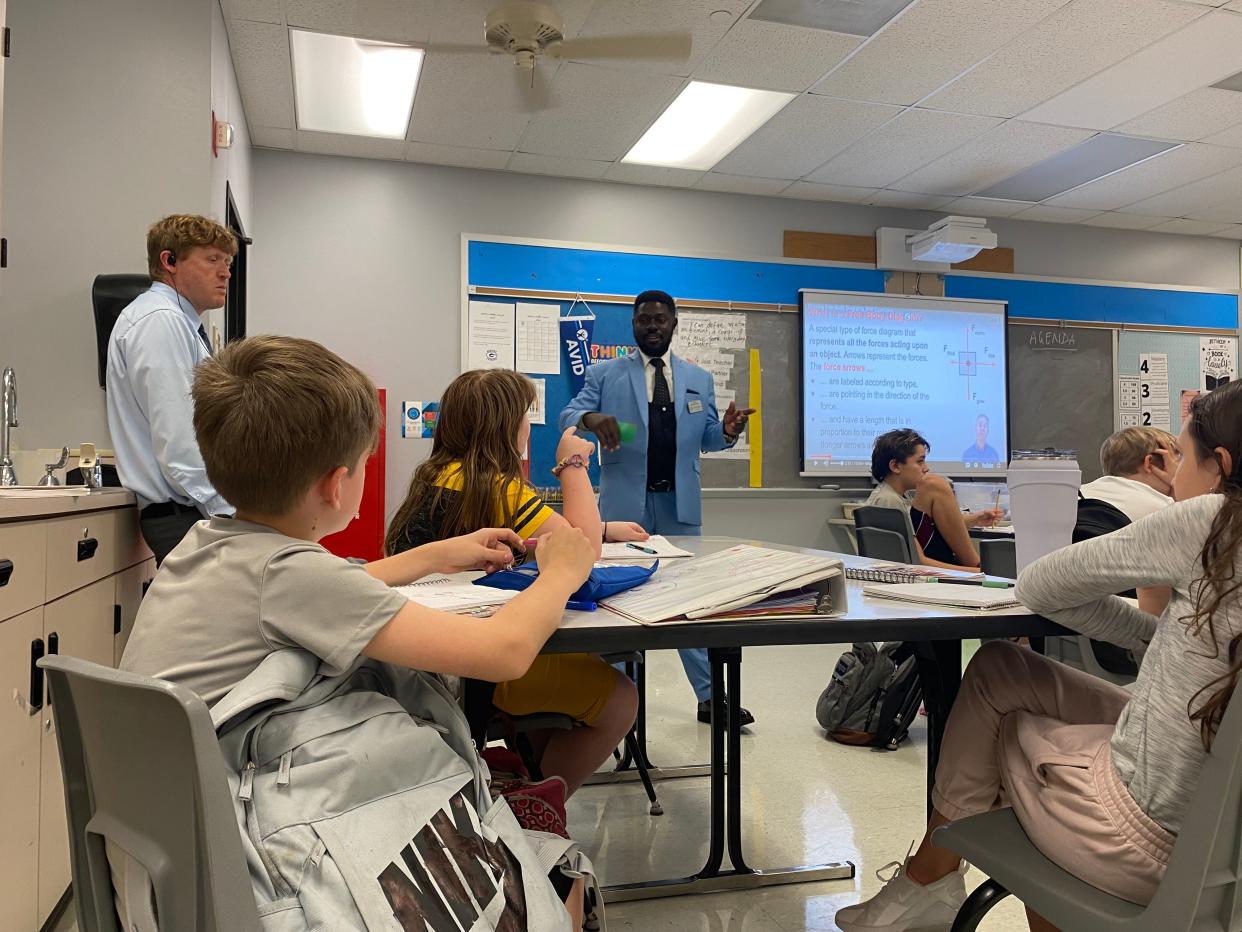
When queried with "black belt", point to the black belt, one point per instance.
{"points": [[660, 485], [165, 509]]}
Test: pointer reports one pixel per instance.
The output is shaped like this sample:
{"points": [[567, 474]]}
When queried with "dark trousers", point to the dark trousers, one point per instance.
{"points": [[164, 533]]}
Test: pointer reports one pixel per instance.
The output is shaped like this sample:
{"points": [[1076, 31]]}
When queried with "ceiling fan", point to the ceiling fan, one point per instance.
{"points": [[531, 31]]}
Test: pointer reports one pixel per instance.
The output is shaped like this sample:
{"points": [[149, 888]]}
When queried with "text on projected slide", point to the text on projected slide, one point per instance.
{"points": [[870, 367]]}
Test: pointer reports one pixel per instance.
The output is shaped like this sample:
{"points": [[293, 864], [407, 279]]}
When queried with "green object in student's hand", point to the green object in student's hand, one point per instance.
{"points": [[626, 431]]}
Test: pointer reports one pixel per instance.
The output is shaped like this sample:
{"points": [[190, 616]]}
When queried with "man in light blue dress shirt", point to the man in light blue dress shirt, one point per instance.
{"points": [[155, 345]]}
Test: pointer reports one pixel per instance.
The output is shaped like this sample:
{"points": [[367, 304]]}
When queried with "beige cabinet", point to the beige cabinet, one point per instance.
{"points": [[72, 586]]}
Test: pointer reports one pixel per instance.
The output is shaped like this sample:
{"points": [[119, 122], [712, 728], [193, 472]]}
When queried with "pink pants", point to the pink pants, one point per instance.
{"points": [[1033, 734]]}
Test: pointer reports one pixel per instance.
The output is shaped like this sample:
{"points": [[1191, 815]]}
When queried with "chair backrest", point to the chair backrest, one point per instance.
{"points": [[143, 770], [1206, 864], [109, 295], [998, 558], [893, 521]]}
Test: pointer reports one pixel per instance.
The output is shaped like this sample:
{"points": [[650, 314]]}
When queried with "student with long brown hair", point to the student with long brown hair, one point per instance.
{"points": [[1100, 778], [473, 479]]}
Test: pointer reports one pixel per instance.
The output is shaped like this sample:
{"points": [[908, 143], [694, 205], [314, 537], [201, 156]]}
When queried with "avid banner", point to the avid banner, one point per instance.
{"points": [[576, 338]]}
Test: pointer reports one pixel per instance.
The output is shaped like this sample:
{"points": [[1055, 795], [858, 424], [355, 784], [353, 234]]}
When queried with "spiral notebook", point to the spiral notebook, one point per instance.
{"points": [[976, 597], [903, 573]]}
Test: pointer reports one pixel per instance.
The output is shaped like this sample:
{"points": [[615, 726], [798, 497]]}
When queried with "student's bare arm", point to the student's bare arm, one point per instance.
{"points": [[488, 549]]}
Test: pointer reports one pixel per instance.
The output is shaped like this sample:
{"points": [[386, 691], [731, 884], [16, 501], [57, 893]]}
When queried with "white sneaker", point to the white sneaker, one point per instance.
{"points": [[905, 906]]}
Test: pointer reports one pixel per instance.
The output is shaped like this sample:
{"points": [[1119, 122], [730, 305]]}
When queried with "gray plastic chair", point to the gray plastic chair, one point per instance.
{"points": [[885, 534], [1200, 890], [143, 770]]}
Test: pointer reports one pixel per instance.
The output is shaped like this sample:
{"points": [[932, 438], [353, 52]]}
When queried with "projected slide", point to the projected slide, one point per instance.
{"points": [[871, 363]]}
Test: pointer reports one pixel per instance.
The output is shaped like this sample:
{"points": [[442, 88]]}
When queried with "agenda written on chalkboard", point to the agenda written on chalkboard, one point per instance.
{"points": [[872, 364]]}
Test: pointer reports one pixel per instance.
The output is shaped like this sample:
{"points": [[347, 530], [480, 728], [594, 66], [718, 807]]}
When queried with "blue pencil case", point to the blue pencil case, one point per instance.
{"points": [[603, 581]]}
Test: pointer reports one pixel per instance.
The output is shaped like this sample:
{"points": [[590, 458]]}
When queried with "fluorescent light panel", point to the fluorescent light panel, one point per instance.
{"points": [[1200, 53], [353, 86], [848, 16], [704, 124], [1088, 161]]}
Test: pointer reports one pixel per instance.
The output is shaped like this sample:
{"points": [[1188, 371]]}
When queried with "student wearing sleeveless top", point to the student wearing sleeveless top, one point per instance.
{"points": [[899, 465]]}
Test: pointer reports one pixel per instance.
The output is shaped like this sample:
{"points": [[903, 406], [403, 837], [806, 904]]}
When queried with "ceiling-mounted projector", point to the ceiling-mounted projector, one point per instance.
{"points": [[953, 239]]}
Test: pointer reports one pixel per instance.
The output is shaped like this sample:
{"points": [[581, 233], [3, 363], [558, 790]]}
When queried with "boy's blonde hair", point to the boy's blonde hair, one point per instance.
{"points": [[179, 233], [273, 415], [1123, 453]]}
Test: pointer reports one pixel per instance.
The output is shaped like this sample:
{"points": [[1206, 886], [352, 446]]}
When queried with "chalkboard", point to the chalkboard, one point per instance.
{"points": [[1061, 390]]}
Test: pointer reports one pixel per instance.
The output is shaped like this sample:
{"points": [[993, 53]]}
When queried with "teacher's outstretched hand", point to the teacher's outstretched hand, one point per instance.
{"points": [[735, 420], [605, 429]]}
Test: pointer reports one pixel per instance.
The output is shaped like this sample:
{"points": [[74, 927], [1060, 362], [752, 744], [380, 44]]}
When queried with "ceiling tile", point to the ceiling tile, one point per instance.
{"points": [[808, 191], [625, 17], [801, 137], [461, 21], [258, 11], [1233, 231], [365, 147], [773, 56], [455, 155], [1204, 194], [897, 148], [1162, 173], [983, 207], [930, 43], [996, 154], [1202, 52], [1231, 137], [1045, 214], [271, 137], [1190, 227], [389, 20], [264, 73], [653, 174], [1074, 43], [1124, 221], [1236, 6], [598, 113], [1192, 117], [907, 200], [741, 184], [1225, 210], [470, 100], [553, 165]]}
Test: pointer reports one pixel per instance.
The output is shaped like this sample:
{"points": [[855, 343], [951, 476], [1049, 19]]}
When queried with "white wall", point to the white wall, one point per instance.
{"points": [[365, 255], [107, 128]]}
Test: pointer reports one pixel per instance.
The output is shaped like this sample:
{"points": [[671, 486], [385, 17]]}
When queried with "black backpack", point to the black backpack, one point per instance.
{"points": [[1095, 519], [873, 696]]}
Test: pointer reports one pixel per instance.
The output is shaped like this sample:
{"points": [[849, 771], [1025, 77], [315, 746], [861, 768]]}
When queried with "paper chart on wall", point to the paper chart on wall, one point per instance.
{"points": [[538, 339], [741, 449], [1218, 361], [489, 335], [711, 342], [1128, 413], [1154, 390], [537, 412]]}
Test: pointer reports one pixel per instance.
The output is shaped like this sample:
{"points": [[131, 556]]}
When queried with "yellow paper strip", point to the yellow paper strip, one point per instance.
{"points": [[756, 421]]}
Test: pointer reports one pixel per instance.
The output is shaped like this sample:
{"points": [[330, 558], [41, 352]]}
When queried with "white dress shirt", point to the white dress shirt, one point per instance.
{"points": [[152, 353], [649, 373]]}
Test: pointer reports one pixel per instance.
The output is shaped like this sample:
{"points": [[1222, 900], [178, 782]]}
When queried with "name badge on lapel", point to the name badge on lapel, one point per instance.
{"points": [[694, 407]]}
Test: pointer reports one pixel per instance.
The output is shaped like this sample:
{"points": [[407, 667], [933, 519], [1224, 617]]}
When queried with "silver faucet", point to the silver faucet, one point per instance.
{"points": [[8, 420]]}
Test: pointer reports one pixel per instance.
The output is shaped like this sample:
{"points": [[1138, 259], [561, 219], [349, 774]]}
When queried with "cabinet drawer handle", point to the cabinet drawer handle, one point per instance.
{"points": [[35, 704], [86, 548], [53, 647], [6, 572]]}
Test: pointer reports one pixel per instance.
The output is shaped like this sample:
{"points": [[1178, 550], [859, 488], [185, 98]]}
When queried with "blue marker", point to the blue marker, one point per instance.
{"points": [[581, 606]]}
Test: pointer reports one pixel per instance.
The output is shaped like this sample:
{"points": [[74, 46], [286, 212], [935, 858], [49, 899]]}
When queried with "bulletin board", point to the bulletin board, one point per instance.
{"points": [[1184, 352]]}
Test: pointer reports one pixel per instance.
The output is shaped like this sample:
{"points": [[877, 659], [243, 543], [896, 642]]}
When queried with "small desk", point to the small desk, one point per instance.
{"points": [[937, 632]]}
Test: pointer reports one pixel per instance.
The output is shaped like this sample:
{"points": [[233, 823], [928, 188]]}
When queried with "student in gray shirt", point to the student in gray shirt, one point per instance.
{"points": [[1100, 778]]}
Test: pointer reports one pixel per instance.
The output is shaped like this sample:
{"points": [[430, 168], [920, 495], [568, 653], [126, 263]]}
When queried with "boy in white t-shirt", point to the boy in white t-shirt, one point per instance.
{"points": [[1138, 464]]}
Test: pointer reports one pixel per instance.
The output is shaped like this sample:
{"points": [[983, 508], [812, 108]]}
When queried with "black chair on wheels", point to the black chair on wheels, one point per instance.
{"points": [[885, 534], [110, 294]]}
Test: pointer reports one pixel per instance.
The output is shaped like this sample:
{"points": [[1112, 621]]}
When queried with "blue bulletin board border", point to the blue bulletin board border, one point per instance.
{"points": [[529, 265]]}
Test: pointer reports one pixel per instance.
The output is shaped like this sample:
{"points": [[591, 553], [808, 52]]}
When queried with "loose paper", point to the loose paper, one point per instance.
{"points": [[1218, 361], [1154, 390], [536, 414], [741, 449], [1128, 392], [538, 339], [490, 335], [418, 419], [710, 341]]}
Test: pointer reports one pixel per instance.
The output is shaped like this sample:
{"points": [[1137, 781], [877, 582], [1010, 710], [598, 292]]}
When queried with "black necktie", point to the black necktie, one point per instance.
{"points": [[659, 391], [207, 343]]}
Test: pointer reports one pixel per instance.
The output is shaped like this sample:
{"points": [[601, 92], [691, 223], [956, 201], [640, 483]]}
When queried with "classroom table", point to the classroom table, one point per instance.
{"points": [[936, 631]]}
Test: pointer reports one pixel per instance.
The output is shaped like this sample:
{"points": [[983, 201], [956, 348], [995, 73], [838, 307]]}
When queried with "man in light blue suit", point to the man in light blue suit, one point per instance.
{"points": [[673, 404]]}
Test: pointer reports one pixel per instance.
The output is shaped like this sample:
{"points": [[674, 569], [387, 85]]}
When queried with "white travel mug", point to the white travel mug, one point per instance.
{"points": [[1043, 501]]}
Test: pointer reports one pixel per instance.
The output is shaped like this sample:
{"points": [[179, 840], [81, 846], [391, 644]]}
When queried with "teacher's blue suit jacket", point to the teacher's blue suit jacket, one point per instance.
{"points": [[618, 387]]}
